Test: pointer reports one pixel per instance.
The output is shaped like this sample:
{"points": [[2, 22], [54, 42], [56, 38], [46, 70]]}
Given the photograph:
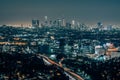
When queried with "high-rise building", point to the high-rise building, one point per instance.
{"points": [[46, 21], [109, 27], [63, 22], [35, 23], [46, 18], [100, 26], [73, 24], [59, 22], [68, 25]]}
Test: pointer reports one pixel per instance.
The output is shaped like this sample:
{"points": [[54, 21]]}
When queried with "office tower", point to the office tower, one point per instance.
{"points": [[83, 27], [73, 24], [50, 23], [78, 24], [46, 21], [100, 26], [54, 23], [46, 18], [109, 27], [35, 23], [68, 25], [63, 22], [59, 22]]}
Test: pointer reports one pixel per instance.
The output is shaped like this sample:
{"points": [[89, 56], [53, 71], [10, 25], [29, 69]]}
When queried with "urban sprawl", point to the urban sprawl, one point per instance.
{"points": [[83, 46]]}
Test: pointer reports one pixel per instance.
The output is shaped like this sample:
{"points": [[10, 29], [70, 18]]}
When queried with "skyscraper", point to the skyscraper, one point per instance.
{"points": [[46, 18], [73, 24], [35, 23], [63, 22], [100, 26], [46, 21], [59, 22]]}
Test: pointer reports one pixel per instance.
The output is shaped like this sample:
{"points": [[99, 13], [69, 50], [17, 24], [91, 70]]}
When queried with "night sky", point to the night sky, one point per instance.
{"points": [[85, 11]]}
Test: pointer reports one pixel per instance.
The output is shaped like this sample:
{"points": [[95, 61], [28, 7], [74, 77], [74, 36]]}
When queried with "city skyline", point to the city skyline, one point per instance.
{"points": [[84, 11]]}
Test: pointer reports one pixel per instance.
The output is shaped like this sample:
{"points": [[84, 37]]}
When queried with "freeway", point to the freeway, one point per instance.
{"points": [[68, 72]]}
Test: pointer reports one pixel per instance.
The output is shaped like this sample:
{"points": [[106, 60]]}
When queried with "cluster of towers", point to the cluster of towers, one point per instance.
{"points": [[63, 23], [58, 22]]}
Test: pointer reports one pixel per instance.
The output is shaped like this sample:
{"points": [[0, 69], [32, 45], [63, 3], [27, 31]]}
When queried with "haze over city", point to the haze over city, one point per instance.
{"points": [[84, 11], [59, 39]]}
